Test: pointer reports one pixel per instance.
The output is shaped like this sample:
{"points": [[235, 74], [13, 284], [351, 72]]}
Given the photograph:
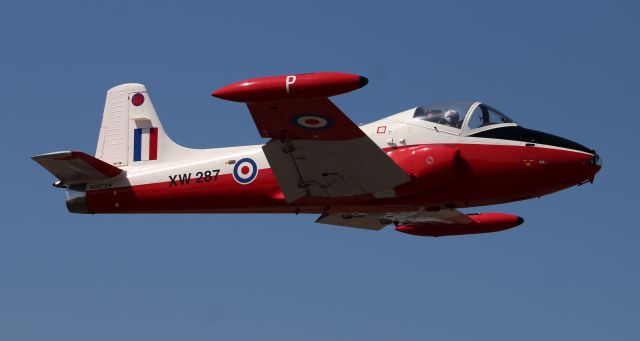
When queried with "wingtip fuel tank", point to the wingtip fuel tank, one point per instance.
{"points": [[481, 223], [307, 85]]}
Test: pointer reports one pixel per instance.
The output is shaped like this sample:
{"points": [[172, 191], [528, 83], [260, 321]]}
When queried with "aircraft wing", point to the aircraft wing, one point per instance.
{"points": [[336, 159], [76, 167], [315, 150], [377, 221]]}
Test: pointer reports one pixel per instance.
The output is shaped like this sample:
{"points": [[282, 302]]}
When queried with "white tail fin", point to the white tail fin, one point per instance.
{"points": [[131, 133]]}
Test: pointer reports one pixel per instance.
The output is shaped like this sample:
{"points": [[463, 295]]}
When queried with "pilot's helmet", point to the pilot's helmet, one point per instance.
{"points": [[451, 118]]}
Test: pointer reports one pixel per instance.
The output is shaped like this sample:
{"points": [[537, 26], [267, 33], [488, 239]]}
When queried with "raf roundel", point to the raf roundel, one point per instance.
{"points": [[245, 171], [137, 99], [312, 121]]}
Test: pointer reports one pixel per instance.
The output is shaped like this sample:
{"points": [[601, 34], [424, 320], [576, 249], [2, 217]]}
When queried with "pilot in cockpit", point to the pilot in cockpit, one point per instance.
{"points": [[451, 118]]}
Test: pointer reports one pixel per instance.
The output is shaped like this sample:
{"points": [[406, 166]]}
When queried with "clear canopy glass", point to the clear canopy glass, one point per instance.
{"points": [[447, 113], [484, 115], [455, 113]]}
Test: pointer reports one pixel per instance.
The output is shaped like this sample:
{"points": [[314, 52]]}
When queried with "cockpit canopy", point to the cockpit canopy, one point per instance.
{"points": [[463, 115], [475, 119]]}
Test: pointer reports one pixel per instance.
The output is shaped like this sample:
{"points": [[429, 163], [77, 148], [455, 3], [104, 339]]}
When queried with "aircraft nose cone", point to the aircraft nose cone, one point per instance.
{"points": [[594, 164], [582, 162], [587, 166], [597, 160], [567, 167]]}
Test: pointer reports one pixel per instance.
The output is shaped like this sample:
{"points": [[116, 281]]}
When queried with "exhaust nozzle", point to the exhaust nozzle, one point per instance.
{"points": [[77, 201]]}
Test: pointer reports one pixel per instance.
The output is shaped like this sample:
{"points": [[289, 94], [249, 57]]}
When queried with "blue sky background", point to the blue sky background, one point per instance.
{"points": [[569, 273]]}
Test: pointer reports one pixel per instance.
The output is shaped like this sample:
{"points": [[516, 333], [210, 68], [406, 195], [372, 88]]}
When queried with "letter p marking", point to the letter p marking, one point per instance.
{"points": [[289, 81]]}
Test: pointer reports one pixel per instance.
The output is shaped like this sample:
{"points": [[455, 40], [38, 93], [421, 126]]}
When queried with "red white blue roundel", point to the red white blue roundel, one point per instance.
{"points": [[312, 121], [245, 171]]}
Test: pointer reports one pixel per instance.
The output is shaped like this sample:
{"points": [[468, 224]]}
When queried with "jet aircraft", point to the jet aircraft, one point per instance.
{"points": [[413, 170]]}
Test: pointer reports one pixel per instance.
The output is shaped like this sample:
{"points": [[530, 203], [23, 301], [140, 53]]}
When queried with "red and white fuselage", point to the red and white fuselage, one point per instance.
{"points": [[429, 161]]}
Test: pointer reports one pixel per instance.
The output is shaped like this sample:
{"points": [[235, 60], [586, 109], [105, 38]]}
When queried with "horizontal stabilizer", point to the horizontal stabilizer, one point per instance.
{"points": [[76, 167]]}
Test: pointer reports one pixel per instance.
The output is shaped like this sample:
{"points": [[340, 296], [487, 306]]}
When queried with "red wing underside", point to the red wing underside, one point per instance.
{"points": [[316, 119]]}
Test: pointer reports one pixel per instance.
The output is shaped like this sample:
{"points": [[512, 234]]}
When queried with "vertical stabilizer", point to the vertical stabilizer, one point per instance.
{"points": [[131, 133]]}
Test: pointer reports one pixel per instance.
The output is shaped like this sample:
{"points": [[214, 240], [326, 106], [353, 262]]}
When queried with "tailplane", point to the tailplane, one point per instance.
{"points": [[73, 168]]}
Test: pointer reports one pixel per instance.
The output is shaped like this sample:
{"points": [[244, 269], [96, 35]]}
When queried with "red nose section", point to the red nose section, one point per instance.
{"points": [[309, 85], [481, 223]]}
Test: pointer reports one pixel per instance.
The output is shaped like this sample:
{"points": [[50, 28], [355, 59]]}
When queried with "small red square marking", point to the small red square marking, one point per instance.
{"points": [[382, 129]]}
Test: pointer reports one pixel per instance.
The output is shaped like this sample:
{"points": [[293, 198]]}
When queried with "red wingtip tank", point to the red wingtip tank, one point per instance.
{"points": [[306, 85], [482, 223]]}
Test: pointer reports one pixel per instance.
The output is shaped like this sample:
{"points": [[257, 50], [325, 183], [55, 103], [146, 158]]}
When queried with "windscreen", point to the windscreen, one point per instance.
{"points": [[484, 115]]}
